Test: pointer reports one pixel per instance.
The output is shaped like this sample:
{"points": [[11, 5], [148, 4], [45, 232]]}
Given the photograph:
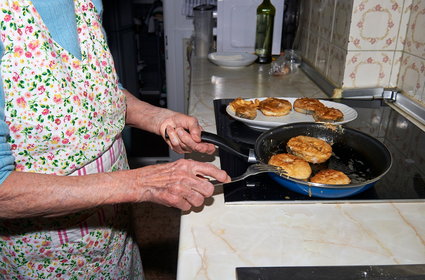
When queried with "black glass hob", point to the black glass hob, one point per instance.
{"points": [[405, 181], [371, 272]]}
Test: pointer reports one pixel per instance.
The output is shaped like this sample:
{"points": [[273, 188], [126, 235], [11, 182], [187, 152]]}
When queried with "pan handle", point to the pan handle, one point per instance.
{"points": [[228, 146]]}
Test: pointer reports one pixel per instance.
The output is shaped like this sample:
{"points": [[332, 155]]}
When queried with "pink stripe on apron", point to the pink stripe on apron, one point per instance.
{"points": [[63, 236], [84, 229], [112, 155]]}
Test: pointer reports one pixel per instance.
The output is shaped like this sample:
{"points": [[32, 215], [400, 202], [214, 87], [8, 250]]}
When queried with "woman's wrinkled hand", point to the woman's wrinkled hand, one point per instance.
{"points": [[183, 134], [181, 184]]}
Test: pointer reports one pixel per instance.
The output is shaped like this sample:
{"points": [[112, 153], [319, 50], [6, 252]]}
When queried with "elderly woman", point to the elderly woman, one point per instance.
{"points": [[63, 169]]}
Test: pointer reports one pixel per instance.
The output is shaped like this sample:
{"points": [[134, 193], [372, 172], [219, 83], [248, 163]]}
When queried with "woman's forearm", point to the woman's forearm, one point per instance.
{"points": [[25, 194], [144, 115], [179, 184], [181, 131]]}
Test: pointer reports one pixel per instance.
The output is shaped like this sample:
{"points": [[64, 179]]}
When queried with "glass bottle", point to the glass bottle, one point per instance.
{"points": [[264, 31]]}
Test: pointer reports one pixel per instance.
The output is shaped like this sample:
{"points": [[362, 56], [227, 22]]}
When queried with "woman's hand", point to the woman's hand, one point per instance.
{"points": [[183, 134], [181, 184]]}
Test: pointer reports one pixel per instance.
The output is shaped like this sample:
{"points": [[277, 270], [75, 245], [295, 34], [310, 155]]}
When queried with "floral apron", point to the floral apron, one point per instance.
{"points": [[65, 117]]}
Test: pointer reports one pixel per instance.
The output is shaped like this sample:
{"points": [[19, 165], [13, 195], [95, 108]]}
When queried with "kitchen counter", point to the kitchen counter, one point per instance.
{"points": [[217, 238]]}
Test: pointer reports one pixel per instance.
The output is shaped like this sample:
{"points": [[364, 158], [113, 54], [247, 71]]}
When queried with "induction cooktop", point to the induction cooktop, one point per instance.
{"points": [[405, 181]]}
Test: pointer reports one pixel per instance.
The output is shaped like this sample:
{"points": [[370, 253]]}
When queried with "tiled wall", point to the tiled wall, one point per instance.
{"points": [[411, 76], [375, 45], [324, 30], [366, 43]]}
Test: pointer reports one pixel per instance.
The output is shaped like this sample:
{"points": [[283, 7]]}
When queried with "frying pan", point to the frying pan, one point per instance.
{"points": [[360, 156]]}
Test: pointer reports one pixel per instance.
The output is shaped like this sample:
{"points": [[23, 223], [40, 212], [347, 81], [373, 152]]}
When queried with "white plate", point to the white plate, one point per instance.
{"points": [[263, 122], [232, 59]]}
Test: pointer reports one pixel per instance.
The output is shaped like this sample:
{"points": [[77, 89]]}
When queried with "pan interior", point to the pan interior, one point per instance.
{"points": [[360, 156]]}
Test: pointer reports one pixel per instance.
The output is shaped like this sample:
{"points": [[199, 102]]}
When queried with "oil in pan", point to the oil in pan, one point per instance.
{"points": [[351, 162]]}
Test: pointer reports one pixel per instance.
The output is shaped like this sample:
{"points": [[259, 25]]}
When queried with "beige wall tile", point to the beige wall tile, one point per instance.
{"points": [[336, 66], [317, 7], [313, 43], [366, 43], [304, 27], [375, 24], [415, 38], [322, 58], [368, 69], [397, 55], [326, 19], [304, 41], [342, 20], [305, 14], [412, 77], [404, 22]]}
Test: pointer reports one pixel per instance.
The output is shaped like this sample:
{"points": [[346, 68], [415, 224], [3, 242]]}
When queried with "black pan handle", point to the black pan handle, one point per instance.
{"points": [[227, 145]]}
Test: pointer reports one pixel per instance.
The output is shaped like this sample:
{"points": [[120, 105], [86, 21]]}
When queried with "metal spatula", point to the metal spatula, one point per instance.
{"points": [[254, 169]]}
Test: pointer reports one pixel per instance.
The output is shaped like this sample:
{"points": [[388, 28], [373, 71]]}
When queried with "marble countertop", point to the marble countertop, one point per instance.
{"points": [[217, 238]]}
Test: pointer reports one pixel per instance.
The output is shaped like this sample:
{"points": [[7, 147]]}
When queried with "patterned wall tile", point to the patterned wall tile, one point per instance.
{"points": [[415, 37], [393, 82], [375, 24], [336, 65], [385, 42], [342, 20], [404, 23], [412, 77], [368, 69]]}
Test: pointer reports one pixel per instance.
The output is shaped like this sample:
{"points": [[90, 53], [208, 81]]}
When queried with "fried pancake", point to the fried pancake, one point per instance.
{"points": [[293, 165], [307, 105], [275, 107], [244, 108], [330, 177], [310, 149], [328, 114]]}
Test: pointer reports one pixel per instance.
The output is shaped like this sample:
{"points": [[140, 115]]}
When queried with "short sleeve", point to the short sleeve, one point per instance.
{"points": [[7, 160], [99, 6]]}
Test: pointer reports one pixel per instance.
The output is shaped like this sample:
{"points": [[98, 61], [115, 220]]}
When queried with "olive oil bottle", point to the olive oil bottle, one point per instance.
{"points": [[264, 31]]}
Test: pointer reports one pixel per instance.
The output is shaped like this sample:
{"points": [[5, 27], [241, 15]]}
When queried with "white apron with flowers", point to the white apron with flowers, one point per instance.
{"points": [[65, 117]]}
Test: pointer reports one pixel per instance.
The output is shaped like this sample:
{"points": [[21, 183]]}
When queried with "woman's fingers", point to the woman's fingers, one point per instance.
{"points": [[179, 184], [183, 141], [172, 138]]}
